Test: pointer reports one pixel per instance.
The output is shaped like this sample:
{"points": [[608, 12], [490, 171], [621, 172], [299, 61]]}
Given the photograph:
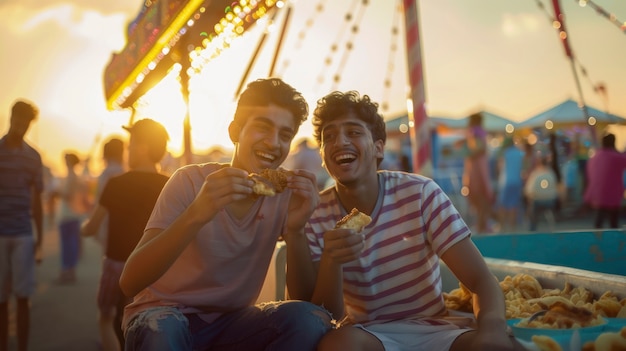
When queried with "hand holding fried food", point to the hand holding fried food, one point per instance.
{"points": [[354, 220], [269, 182]]}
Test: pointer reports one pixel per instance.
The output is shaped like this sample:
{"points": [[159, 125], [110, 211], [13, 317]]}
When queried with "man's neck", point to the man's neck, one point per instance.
{"points": [[13, 142], [360, 194]]}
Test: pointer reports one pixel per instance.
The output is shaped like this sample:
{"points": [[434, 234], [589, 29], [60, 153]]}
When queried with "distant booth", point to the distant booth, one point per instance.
{"points": [[169, 32], [447, 156], [578, 129]]}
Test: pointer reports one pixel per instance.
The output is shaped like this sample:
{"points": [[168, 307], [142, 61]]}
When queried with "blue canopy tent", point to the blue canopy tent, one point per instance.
{"points": [[491, 122], [569, 113]]}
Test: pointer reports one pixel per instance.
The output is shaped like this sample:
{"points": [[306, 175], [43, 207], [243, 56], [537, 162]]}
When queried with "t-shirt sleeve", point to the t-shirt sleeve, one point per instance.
{"points": [[443, 223], [179, 191]]}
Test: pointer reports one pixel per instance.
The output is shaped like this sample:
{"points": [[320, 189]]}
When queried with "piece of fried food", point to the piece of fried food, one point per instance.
{"points": [[262, 186], [278, 178], [354, 220], [563, 315], [269, 182]]}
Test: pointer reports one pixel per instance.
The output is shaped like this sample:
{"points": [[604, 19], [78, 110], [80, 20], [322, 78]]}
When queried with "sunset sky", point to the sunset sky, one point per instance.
{"points": [[498, 55]]}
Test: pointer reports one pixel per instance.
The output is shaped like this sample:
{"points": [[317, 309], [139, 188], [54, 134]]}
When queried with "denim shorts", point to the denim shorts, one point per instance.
{"points": [[271, 326], [110, 295], [17, 266]]}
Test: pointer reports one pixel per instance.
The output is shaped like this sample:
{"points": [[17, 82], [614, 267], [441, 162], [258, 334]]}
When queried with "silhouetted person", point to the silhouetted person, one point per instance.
{"points": [[126, 203], [21, 186], [113, 156], [74, 205]]}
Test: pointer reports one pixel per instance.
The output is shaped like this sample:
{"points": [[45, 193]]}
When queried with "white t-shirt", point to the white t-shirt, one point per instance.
{"points": [[541, 184]]}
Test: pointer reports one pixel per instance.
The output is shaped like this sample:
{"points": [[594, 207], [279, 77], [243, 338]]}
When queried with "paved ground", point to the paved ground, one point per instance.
{"points": [[64, 317]]}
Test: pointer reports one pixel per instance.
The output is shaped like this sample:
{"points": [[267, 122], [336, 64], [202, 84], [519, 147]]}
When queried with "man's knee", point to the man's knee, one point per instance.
{"points": [[302, 317], [156, 328]]}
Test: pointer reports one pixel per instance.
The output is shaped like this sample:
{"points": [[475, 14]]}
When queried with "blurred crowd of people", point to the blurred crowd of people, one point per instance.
{"points": [[524, 181]]}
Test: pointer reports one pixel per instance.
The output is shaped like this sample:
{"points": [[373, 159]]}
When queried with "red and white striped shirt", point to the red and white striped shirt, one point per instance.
{"points": [[397, 276]]}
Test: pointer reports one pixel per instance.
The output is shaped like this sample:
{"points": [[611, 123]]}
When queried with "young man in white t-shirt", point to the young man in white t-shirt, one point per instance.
{"points": [[198, 269], [384, 283]]}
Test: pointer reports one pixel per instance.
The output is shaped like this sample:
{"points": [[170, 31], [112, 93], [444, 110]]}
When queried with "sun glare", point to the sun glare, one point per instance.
{"points": [[164, 103]]}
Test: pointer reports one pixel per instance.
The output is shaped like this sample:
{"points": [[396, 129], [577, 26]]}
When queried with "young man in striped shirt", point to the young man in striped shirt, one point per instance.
{"points": [[384, 283]]}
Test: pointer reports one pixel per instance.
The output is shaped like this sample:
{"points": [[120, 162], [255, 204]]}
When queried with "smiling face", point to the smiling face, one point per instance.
{"points": [[349, 152], [265, 138]]}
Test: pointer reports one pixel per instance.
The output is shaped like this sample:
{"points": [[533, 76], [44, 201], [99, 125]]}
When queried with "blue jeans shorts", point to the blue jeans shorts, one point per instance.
{"points": [[17, 267], [272, 326]]}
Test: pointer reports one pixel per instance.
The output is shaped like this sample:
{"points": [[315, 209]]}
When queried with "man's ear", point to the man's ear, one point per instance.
{"points": [[379, 146], [233, 131]]}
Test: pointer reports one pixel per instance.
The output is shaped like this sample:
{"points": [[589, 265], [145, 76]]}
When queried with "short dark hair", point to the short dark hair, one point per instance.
{"points": [[608, 141], [152, 133], [72, 158], [24, 108], [263, 92], [475, 119], [337, 104], [113, 150]]}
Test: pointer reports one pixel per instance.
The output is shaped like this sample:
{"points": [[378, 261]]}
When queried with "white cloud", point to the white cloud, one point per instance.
{"points": [[519, 24], [107, 29]]}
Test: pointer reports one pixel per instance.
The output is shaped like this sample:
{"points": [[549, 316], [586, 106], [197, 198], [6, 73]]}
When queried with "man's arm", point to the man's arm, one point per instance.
{"points": [[159, 248], [91, 226], [468, 265], [340, 246], [304, 199], [301, 273], [37, 211]]}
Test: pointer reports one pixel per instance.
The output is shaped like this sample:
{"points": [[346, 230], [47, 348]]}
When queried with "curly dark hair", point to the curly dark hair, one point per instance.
{"points": [[263, 92], [337, 104]]}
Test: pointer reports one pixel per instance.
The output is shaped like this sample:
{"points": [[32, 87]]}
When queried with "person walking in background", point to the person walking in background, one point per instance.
{"points": [[541, 191], [126, 203], [383, 284], [476, 179], [510, 188], [605, 182], [21, 187], [200, 265], [74, 205], [113, 156]]}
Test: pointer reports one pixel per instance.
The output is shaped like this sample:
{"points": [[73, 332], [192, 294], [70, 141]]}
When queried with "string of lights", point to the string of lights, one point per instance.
{"points": [[601, 11], [393, 51], [328, 60], [349, 45], [598, 88], [319, 9]]}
